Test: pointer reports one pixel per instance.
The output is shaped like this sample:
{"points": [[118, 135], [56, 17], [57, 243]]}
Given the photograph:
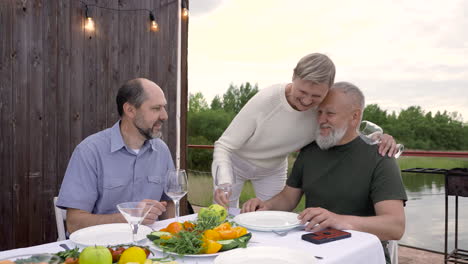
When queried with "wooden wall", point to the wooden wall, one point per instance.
{"points": [[58, 83]]}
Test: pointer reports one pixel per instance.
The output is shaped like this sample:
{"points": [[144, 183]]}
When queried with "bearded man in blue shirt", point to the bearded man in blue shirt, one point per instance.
{"points": [[124, 163]]}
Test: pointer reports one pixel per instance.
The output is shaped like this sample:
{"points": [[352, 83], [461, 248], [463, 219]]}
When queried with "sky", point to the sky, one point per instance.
{"points": [[400, 53]]}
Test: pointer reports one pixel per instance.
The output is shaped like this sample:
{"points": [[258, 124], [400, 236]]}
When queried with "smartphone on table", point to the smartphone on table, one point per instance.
{"points": [[325, 236]]}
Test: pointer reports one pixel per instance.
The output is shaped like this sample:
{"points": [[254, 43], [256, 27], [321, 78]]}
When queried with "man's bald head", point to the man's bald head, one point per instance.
{"points": [[134, 92]]}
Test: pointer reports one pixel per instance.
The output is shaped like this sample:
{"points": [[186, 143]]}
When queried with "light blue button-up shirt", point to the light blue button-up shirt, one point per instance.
{"points": [[104, 172]]}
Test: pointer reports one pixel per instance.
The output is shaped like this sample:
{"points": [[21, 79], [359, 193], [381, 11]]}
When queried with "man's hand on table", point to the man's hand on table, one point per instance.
{"points": [[320, 219], [158, 209], [253, 205]]}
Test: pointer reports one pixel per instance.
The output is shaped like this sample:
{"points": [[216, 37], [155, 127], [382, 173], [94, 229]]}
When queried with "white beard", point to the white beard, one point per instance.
{"points": [[326, 142]]}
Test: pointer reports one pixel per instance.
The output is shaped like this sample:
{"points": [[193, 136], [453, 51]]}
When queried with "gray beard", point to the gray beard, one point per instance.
{"points": [[148, 133], [326, 142]]}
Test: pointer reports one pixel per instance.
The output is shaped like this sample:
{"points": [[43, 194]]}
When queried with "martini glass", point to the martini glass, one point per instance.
{"points": [[370, 133], [134, 213], [176, 187]]}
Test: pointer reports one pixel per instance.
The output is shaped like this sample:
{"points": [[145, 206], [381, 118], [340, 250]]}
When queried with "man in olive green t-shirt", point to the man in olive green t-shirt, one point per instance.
{"points": [[347, 184]]}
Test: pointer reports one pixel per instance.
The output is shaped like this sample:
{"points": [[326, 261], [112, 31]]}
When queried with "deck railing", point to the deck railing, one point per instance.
{"points": [[415, 153]]}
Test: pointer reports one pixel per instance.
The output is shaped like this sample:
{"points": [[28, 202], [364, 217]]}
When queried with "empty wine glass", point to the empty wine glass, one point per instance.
{"points": [[176, 187], [224, 180], [370, 133], [134, 213]]}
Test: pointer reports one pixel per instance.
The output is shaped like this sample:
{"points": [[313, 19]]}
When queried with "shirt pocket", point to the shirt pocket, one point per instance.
{"points": [[111, 183], [155, 179]]}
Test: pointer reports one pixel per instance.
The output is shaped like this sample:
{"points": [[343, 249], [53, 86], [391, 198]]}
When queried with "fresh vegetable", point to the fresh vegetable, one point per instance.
{"points": [[183, 243], [69, 254], [207, 235], [133, 254], [210, 247], [157, 235], [240, 242], [173, 228], [214, 210], [95, 255], [72, 256]]}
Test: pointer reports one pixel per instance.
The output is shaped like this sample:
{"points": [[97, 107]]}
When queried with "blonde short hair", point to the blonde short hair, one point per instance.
{"points": [[315, 67]]}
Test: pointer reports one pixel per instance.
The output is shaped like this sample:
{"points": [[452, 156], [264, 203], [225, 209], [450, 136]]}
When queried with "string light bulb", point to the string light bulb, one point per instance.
{"points": [[154, 24], [89, 24], [185, 11]]}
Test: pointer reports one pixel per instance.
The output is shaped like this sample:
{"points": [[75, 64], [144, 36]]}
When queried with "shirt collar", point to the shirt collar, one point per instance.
{"points": [[117, 141], [154, 144], [116, 137]]}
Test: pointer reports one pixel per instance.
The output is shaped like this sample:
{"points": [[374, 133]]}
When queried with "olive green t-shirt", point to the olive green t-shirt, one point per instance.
{"points": [[347, 179]]}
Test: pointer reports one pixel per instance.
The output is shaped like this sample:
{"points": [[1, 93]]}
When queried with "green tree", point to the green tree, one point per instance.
{"points": [[197, 103], [235, 98], [374, 114], [216, 103]]}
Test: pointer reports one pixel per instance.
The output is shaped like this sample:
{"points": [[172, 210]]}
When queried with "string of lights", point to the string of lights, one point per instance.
{"points": [[90, 25]]}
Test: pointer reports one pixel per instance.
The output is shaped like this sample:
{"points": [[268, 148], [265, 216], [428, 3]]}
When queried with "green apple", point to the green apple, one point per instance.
{"points": [[95, 255]]}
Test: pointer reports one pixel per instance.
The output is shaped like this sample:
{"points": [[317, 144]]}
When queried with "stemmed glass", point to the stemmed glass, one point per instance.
{"points": [[370, 133], [134, 213], [176, 187], [224, 180]]}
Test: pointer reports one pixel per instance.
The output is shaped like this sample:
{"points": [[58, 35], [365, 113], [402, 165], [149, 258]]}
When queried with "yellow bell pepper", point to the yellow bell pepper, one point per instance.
{"points": [[212, 235], [212, 247], [240, 231]]}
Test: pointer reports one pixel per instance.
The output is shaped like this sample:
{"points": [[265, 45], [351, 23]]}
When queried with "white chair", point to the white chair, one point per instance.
{"points": [[60, 217], [393, 251]]}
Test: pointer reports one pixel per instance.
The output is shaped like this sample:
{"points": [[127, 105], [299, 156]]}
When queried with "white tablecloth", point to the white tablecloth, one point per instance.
{"points": [[359, 248]]}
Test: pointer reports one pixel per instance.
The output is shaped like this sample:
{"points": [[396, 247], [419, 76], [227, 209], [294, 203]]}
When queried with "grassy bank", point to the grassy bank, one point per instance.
{"points": [[201, 185]]}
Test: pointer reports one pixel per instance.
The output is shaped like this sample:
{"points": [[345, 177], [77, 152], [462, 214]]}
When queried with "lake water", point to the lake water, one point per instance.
{"points": [[425, 213]]}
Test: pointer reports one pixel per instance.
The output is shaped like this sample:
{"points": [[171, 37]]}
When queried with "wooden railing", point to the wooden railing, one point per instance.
{"points": [[414, 153]]}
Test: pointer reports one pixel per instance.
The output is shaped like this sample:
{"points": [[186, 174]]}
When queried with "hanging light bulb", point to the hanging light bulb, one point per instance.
{"points": [[89, 24], [154, 24], [185, 11]]}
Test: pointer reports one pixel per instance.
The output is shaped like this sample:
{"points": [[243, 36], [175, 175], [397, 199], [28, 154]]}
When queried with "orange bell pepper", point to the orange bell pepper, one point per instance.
{"points": [[188, 226], [173, 228], [227, 234], [223, 226]]}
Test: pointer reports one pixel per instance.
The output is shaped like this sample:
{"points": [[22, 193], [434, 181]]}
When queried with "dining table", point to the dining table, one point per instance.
{"points": [[360, 248]]}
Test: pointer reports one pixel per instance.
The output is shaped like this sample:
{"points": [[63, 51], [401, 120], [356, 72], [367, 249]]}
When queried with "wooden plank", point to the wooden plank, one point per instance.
{"points": [[63, 94], [21, 200], [35, 86], [128, 53], [168, 49], [115, 80], [184, 91], [143, 26], [89, 120], [154, 42], [107, 59], [49, 137], [6, 125], [76, 84]]}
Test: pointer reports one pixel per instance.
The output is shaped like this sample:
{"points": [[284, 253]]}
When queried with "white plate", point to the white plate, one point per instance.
{"points": [[153, 246], [41, 258], [270, 255], [108, 235], [268, 220]]}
